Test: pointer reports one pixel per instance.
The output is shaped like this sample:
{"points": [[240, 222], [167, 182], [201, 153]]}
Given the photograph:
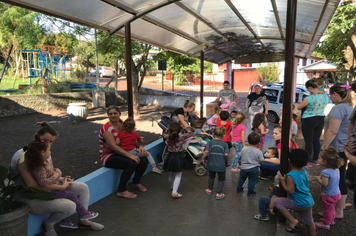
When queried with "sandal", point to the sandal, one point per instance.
{"points": [[331, 224], [94, 226], [292, 230], [129, 195], [208, 191], [157, 171], [220, 196], [177, 195]]}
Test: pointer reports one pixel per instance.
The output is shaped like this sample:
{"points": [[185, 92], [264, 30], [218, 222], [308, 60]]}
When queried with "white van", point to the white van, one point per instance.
{"points": [[274, 94]]}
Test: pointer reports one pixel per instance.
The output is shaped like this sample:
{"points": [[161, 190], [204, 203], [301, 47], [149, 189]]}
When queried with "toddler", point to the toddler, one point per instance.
{"points": [[251, 157], [329, 180], [259, 127], [212, 120], [127, 139], [223, 121], [233, 115], [217, 152], [320, 83], [238, 139], [199, 126], [174, 161], [296, 184], [36, 157]]}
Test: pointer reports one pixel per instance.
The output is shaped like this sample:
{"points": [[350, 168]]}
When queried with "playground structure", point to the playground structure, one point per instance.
{"points": [[34, 62]]}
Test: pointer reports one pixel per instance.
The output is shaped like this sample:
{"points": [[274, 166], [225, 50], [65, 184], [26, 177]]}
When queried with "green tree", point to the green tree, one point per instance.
{"points": [[269, 72], [113, 47], [20, 27], [338, 32]]}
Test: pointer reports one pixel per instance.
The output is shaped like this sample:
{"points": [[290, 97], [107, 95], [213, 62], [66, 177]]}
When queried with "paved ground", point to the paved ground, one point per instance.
{"points": [[156, 213]]}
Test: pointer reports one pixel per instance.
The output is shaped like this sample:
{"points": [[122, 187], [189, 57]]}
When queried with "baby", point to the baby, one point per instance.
{"points": [[272, 153]]}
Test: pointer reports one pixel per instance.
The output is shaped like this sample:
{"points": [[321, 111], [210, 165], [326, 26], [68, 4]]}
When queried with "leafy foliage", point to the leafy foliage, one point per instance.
{"points": [[339, 30], [269, 72], [9, 187]]}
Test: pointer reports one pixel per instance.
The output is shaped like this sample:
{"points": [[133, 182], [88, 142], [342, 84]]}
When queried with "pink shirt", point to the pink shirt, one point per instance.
{"points": [[291, 145], [210, 121], [237, 131]]}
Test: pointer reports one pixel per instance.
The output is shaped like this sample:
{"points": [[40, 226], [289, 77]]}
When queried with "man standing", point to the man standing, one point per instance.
{"points": [[256, 103], [227, 93]]}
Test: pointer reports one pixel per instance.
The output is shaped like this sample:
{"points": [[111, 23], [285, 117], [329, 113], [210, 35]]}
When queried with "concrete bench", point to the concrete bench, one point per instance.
{"points": [[97, 189]]}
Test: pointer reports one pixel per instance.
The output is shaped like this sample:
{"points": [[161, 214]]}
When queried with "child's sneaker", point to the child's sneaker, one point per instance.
{"points": [[265, 178], [251, 193], [68, 224], [239, 190], [235, 170], [308, 165], [321, 225], [261, 217], [89, 215], [316, 163]]}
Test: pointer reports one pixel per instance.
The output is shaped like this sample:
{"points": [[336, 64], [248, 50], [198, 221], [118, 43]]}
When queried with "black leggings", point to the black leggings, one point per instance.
{"points": [[129, 166], [312, 127], [351, 175]]}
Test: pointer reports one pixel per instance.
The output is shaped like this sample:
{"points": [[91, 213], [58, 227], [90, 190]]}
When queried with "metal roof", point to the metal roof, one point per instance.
{"points": [[245, 31]]}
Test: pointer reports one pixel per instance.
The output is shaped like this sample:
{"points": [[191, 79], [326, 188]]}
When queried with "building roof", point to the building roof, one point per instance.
{"points": [[247, 32], [322, 65]]}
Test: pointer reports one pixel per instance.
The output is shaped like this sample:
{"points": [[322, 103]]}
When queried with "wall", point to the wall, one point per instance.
{"points": [[243, 79]]}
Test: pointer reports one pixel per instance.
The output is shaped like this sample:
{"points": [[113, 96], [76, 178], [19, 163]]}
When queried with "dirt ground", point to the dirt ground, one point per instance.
{"points": [[76, 150]]}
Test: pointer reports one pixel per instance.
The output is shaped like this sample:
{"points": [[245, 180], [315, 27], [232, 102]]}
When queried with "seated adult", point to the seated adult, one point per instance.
{"points": [[270, 167], [59, 209], [113, 156], [181, 115]]}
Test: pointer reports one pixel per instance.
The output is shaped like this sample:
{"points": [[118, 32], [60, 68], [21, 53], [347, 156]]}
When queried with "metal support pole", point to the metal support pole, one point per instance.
{"points": [[172, 83], [233, 80], [96, 72], [202, 84], [162, 82], [288, 89], [129, 69]]}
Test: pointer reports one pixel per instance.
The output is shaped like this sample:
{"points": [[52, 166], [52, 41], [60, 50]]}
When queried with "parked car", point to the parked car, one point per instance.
{"points": [[104, 71], [274, 94]]}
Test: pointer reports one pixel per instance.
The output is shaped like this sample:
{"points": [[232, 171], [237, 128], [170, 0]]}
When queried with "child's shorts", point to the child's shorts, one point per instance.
{"points": [[286, 203]]}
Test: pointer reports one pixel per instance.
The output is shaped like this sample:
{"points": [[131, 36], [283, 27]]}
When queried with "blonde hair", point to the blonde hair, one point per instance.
{"points": [[238, 119], [219, 132], [347, 95], [188, 103]]}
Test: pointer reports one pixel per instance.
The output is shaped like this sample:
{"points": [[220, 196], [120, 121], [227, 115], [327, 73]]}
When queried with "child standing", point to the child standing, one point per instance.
{"points": [[223, 121], [36, 156], [297, 187], [174, 162], [127, 139], [294, 126], [238, 139], [217, 152], [329, 180], [212, 120], [259, 127], [251, 157]]}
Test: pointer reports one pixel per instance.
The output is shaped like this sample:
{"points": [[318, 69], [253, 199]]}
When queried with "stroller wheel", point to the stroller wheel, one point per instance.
{"points": [[200, 170]]}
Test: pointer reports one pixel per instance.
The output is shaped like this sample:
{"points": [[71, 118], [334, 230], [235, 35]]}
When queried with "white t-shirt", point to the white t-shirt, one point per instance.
{"points": [[15, 159], [294, 127]]}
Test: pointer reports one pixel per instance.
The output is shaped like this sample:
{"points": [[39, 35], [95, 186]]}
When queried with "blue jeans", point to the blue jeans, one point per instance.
{"points": [[236, 161], [263, 205], [252, 175], [269, 169]]}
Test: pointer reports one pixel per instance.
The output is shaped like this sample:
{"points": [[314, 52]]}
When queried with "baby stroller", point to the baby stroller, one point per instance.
{"points": [[192, 151]]}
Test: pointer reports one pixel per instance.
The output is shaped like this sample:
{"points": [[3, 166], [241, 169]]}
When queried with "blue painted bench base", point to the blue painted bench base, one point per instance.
{"points": [[97, 189]]}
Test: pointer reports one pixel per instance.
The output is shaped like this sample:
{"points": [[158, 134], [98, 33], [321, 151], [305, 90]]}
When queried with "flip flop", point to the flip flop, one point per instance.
{"points": [[208, 191], [48, 233], [292, 230], [129, 196], [157, 172], [222, 196]]}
